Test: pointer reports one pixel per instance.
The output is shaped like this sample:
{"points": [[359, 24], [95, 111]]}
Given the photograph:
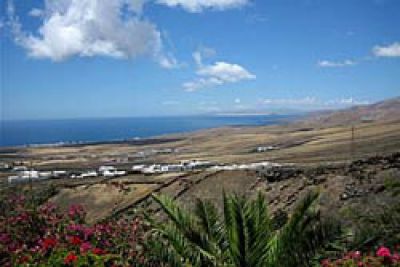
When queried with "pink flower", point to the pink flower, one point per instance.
{"points": [[76, 211], [87, 232], [85, 247], [48, 208], [356, 254], [383, 252], [75, 227], [4, 238], [325, 263], [396, 257]]}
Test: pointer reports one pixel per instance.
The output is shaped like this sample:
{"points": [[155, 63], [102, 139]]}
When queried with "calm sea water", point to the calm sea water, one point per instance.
{"points": [[17, 133]]}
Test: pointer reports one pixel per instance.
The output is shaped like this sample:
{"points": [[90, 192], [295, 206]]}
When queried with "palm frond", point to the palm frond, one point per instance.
{"points": [[248, 226], [185, 224], [247, 236], [260, 231], [211, 225]]}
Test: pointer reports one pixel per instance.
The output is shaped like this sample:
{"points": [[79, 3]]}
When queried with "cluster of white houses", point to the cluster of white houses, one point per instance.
{"points": [[183, 166], [249, 166], [23, 174], [198, 165], [265, 148]]}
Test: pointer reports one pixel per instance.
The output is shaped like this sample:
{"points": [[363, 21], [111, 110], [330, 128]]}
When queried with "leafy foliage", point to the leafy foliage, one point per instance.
{"points": [[244, 236]]}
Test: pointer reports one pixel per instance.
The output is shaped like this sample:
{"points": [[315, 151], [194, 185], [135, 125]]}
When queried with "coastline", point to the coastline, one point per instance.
{"points": [[272, 119]]}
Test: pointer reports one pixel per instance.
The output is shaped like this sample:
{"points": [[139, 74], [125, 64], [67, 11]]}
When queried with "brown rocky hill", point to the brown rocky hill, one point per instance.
{"points": [[381, 111]]}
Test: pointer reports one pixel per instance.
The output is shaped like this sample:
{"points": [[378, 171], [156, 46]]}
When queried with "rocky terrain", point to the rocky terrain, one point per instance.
{"points": [[362, 185]]}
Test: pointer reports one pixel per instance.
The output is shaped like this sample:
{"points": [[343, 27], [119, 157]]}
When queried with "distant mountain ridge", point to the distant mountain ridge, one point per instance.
{"points": [[381, 111]]}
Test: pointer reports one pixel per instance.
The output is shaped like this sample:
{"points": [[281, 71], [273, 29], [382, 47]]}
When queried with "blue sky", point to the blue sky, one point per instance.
{"points": [[120, 58]]}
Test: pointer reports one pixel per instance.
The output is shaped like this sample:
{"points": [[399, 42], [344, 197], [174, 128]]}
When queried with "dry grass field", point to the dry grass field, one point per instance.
{"points": [[101, 200], [295, 144], [304, 143]]}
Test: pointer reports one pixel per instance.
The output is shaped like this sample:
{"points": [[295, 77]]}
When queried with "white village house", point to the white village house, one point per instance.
{"points": [[110, 171]]}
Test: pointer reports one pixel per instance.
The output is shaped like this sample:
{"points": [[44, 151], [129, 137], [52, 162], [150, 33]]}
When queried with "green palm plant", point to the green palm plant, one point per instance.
{"points": [[244, 236]]}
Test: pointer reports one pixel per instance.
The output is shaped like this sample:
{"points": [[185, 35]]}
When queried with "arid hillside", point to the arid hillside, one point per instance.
{"points": [[380, 111]]}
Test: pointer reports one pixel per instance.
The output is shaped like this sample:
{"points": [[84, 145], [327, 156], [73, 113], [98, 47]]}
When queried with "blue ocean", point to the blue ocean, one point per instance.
{"points": [[21, 133]]}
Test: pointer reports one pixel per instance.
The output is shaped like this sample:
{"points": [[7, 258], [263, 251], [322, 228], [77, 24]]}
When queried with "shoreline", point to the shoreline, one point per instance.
{"points": [[154, 139]]}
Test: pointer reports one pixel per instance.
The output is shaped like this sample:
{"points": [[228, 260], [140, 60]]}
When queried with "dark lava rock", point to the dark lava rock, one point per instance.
{"points": [[319, 180], [379, 189], [277, 174]]}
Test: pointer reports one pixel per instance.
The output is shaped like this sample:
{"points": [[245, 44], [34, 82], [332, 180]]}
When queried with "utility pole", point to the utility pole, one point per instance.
{"points": [[352, 145]]}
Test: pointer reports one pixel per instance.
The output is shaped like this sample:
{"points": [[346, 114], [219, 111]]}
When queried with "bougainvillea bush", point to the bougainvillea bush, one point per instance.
{"points": [[40, 235], [382, 257]]}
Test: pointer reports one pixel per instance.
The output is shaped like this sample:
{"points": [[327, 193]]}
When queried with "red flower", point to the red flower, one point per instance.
{"points": [[48, 243], [24, 259], [74, 240], [70, 258], [383, 252], [98, 251]]}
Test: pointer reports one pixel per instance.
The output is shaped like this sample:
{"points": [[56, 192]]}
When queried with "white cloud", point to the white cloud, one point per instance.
{"points": [[200, 84], [350, 101], [314, 102], [237, 101], [392, 50], [308, 100], [196, 6], [336, 64], [198, 58], [225, 72], [168, 61], [202, 53], [36, 12], [346, 101], [216, 74], [113, 28]]}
